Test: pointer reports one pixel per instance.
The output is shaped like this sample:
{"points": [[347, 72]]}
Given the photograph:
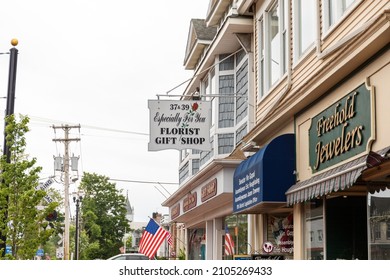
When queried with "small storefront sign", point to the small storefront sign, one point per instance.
{"points": [[209, 190], [268, 257], [343, 130], [179, 125], [190, 201], [175, 211]]}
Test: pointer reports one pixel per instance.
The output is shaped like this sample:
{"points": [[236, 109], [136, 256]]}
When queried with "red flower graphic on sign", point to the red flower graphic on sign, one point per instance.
{"points": [[190, 113]]}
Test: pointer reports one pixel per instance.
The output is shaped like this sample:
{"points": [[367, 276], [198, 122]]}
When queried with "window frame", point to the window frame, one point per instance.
{"points": [[301, 49]]}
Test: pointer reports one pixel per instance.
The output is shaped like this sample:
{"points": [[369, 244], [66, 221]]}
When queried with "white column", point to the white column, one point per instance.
{"points": [[209, 239], [217, 240]]}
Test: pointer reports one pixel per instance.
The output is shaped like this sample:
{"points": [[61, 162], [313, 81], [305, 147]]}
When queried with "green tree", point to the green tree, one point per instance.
{"points": [[104, 216], [21, 220]]}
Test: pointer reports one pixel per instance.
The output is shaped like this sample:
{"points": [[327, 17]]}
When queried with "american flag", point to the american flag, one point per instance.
{"points": [[152, 238], [229, 243], [170, 241]]}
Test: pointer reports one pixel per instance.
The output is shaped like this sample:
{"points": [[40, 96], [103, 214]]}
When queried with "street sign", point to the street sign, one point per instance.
{"points": [[60, 252], [44, 187], [8, 250], [40, 252], [60, 241]]}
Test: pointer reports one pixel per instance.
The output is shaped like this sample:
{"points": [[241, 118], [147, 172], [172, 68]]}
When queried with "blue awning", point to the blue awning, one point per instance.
{"points": [[260, 182]]}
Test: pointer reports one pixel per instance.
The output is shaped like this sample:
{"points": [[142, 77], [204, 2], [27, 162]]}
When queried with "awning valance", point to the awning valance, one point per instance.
{"points": [[260, 182], [337, 179]]}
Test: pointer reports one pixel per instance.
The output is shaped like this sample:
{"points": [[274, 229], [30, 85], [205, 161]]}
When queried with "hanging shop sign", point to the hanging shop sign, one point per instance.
{"points": [[179, 125], [343, 130]]}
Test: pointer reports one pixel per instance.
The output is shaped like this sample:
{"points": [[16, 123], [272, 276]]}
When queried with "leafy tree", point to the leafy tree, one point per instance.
{"points": [[104, 216], [21, 220]]}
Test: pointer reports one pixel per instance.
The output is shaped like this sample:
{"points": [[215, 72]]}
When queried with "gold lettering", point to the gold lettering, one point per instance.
{"points": [[337, 150], [351, 111], [347, 144], [318, 149], [319, 125], [360, 136]]}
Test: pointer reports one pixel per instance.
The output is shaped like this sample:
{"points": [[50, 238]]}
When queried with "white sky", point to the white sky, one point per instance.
{"points": [[96, 63]]}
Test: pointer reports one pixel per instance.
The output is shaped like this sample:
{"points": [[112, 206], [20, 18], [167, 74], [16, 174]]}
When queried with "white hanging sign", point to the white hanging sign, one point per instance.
{"points": [[179, 125]]}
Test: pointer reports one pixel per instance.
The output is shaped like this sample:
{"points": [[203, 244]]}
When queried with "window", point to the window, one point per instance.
{"points": [[320, 234], [334, 10], [238, 229], [273, 46], [305, 23], [183, 154], [261, 59], [277, 42], [241, 132], [212, 91], [225, 143], [242, 92], [388, 230], [379, 225], [226, 104], [280, 232], [183, 173], [314, 222], [226, 62], [195, 166], [206, 155]]}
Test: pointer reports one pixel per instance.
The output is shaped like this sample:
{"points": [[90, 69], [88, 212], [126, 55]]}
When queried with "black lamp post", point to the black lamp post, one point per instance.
{"points": [[9, 111], [77, 200]]}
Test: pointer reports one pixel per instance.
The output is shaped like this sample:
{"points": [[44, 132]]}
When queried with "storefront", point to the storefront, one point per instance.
{"points": [[202, 209], [341, 199], [260, 183]]}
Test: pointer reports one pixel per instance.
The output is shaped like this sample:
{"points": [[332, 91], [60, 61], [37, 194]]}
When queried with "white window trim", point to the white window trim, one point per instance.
{"points": [[299, 55], [327, 30]]}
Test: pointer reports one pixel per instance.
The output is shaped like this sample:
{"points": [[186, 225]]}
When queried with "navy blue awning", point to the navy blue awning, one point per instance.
{"points": [[260, 182]]}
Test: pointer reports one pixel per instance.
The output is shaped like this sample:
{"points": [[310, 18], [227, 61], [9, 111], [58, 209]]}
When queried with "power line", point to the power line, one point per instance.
{"points": [[51, 121], [142, 182]]}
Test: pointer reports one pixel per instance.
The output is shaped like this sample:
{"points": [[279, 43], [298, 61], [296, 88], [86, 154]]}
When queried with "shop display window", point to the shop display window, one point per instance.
{"points": [[196, 244], [238, 229], [314, 229], [280, 234], [379, 225]]}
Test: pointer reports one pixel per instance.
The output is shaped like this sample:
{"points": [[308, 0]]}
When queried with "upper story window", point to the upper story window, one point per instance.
{"points": [[305, 24], [272, 46], [226, 103], [206, 155], [277, 41], [184, 172], [334, 10]]}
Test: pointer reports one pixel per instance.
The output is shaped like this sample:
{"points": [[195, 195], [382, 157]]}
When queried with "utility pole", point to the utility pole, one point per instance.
{"points": [[66, 140]]}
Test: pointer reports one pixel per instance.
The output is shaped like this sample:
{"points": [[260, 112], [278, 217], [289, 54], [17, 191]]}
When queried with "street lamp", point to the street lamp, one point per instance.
{"points": [[77, 200]]}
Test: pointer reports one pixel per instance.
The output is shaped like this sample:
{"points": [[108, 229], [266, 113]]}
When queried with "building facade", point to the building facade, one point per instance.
{"points": [[299, 167], [220, 52], [321, 69]]}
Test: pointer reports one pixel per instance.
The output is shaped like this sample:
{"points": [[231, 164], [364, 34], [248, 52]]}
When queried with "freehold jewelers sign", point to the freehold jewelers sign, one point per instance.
{"points": [[179, 125], [343, 130]]}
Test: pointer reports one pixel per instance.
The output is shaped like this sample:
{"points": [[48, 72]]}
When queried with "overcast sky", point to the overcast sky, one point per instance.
{"points": [[96, 63]]}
